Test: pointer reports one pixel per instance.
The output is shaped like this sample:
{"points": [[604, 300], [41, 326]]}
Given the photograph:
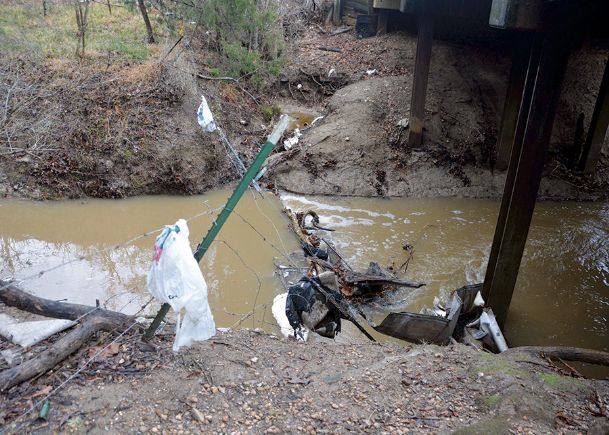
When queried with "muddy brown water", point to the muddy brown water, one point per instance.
{"points": [[562, 295]]}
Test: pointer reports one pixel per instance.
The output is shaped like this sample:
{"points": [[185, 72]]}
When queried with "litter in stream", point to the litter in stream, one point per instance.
{"points": [[325, 289]]}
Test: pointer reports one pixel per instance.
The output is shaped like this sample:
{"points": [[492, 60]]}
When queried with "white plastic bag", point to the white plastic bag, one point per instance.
{"points": [[175, 278], [205, 117]]}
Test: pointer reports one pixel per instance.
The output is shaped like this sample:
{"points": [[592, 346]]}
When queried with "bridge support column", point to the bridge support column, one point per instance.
{"points": [[421, 73], [532, 136], [598, 127], [513, 99]]}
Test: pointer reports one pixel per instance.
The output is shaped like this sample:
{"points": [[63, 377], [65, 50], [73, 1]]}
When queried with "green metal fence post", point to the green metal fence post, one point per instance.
{"points": [[227, 210]]}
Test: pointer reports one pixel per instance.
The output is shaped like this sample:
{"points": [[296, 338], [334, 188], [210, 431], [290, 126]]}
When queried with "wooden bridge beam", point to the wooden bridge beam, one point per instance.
{"points": [[525, 169], [598, 127], [421, 73]]}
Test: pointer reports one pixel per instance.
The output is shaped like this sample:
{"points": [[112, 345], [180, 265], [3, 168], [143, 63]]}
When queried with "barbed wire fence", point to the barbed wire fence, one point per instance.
{"points": [[283, 252]]}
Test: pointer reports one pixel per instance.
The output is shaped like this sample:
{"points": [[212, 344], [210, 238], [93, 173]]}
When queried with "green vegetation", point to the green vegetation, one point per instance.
{"points": [[491, 401], [564, 383], [24, 30], [247, 35], [269, 112], [491, 364], [550, 378]]}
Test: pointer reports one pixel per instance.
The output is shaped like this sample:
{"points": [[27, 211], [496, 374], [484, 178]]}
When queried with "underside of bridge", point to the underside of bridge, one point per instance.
{"points": [[541, 34]]}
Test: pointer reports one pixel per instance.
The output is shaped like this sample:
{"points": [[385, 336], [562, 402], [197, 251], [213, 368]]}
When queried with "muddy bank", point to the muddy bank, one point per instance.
{"points": [[91, 129], [360, 148], [109, 128], [251, 382]]}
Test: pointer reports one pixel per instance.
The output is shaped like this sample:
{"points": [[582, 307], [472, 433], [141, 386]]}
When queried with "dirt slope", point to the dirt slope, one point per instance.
{"points": [[250, 382], [121, 129], [360, 148], [124, 130]]}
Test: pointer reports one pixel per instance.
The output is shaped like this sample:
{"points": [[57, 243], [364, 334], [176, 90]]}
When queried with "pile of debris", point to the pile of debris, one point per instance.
{"points": [[327, 289]]}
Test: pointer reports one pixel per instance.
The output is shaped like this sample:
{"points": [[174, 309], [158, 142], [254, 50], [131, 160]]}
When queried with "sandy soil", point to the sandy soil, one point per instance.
{"points": [[360, 148], [250, 382]]}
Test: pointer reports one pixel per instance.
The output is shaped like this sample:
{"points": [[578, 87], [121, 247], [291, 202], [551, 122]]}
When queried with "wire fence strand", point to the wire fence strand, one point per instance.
{"points": [[97, 252]]}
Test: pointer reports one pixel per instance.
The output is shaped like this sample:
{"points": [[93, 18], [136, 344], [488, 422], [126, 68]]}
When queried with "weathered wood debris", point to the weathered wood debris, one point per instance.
{"points": [[92, 320]]}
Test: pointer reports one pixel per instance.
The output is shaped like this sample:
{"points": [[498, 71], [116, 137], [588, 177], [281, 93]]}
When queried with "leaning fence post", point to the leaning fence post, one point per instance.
{"points": [[227, 210]]}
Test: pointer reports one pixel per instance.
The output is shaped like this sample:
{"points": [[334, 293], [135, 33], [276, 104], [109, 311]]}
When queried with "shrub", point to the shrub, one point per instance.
{"points": [[247, 35], [269, 112]]}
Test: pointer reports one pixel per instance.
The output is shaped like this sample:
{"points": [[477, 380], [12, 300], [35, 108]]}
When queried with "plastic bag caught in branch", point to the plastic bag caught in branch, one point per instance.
{"points": [[175, 278], [205, 117]]}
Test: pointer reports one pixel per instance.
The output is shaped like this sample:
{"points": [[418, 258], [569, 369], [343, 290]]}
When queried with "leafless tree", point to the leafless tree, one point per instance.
{"points": [[81, 8], [146, 21]]}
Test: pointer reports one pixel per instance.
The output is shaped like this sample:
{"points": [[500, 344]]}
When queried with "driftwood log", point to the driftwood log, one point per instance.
{"points": [[92, 322], [363, 278], [59, 351], [577, 354], [13, 296]]}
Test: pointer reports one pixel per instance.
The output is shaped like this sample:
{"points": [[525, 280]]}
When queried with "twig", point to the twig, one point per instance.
{"points": [[173, 47], [573, 371], [341, 30], [334, 50]]}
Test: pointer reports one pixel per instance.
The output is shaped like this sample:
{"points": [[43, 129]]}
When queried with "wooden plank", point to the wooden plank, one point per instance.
{"points": [[422, 328], [529, 164], [421, 74], [598, 127]]}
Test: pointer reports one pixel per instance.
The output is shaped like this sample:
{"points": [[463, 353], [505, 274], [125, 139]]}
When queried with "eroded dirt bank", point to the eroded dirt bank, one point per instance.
{"points": [[250, 382], [360, 147], [130, 129]]}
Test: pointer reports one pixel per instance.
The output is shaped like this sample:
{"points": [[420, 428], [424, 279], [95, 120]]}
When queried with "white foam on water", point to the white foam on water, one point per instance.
{"points": [[338, 208]]}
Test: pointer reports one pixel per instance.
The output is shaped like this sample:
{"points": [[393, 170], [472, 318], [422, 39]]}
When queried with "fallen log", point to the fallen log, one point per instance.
{"points": [[95, 319], [577, 354], [60, 350], [13, 296]]}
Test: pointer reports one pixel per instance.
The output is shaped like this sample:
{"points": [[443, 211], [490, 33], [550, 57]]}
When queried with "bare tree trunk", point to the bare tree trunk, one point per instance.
{"points": [[82, 19], [109, 7], [140, 3], [59, 351], [14, 296], [44, 8]]}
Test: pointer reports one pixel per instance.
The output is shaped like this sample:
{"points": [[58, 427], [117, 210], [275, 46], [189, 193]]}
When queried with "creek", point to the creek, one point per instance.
{"points": [[562, 294]]}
